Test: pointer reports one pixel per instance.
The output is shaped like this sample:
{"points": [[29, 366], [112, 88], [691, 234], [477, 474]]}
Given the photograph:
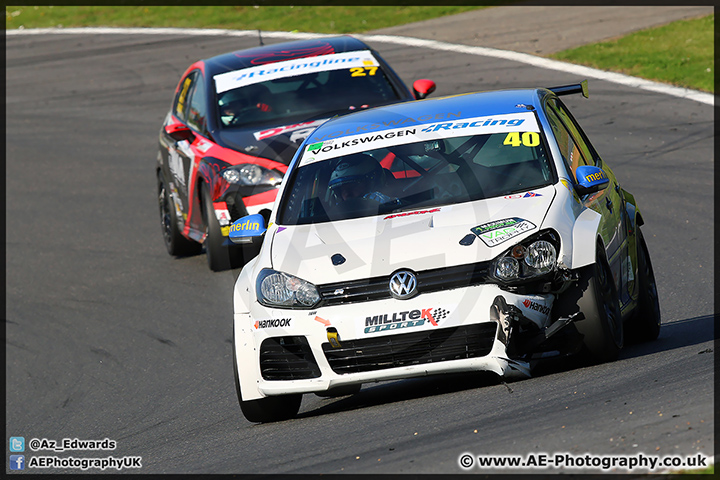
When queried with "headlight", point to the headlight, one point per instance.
{"points": [[251, 174], [277, 289], [541, 256], [507, 268], [532, 258]]}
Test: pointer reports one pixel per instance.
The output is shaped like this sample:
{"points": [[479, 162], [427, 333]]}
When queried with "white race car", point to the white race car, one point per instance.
{"points": [[479, 232]]}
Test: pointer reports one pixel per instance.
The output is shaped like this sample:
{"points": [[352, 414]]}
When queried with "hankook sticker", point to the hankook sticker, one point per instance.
{"points": [[273, 323]]}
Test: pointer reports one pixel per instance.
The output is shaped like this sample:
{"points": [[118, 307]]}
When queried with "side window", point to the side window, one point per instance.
{"points": [[180, 106], [197, 108], [571, 149], [577, 132]]}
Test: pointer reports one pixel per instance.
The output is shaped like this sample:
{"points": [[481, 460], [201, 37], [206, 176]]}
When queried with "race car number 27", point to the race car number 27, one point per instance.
{"points": [[360, 71]]}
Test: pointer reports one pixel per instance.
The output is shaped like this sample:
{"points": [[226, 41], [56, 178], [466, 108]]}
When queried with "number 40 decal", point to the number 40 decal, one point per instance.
{"points": [[528, 139]]}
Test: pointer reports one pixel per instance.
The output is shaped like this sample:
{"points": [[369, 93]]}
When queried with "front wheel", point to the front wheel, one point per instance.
{"points": [[645, 326], [602, 327], [219, 256], [271, 409], [268, 409]]}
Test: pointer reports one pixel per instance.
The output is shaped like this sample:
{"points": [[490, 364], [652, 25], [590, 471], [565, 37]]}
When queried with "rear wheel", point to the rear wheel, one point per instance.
{"points": [[175, 243], [645, 326], [219, 256], [602, 327]]}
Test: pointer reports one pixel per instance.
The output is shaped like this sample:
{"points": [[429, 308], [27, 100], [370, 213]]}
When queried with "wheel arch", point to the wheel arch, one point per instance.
{"points": [[245, 356], [586, 238], [209, 171], [633, 211], [206, 178]]}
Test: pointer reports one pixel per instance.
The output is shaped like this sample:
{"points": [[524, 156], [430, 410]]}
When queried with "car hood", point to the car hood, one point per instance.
{"points": [[418, 239], [278, 148], [274, 142]]}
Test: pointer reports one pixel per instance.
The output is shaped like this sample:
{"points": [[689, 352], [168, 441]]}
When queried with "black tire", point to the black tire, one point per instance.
{"points": [[602, 327], [268, 409], [271, 409], [645, 324], [219, 256], [175, 243], [340, 391]]}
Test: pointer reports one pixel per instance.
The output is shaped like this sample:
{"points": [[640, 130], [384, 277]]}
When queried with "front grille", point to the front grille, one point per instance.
{"points": [[416, 348], [287, 358], [377, 288]]}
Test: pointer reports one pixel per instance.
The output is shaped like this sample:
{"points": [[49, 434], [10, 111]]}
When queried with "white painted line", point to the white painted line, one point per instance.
{"points": [[695, 95]]}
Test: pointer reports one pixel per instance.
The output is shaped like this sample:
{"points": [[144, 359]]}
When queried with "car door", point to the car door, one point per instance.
{"points": [[576, 151], [190, 108], [179, 153]]}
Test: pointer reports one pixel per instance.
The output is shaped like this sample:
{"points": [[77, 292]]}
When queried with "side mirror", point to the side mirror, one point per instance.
{"points": [[590, 180], [179, 132], [422, 88], [243, 230]]}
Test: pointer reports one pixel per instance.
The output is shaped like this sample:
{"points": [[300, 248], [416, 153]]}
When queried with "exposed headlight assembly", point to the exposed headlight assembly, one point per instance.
{"points": [[278, 289], [251, 174], [533, 258]]}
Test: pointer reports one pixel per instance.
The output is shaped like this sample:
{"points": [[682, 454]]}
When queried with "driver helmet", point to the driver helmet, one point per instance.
{"points": [[232, 101], [356, 175]]}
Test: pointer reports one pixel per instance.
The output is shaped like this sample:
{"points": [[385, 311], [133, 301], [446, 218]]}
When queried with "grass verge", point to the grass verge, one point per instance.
{"points": [[680, 53], [319, 19]]}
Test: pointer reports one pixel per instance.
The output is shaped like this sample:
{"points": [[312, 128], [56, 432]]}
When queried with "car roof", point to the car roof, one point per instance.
{"points": [[266, 54], [454, 107]]}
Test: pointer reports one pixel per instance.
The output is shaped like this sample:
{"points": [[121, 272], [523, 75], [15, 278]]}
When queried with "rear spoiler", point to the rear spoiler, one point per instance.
{"points": [[581, 87]]}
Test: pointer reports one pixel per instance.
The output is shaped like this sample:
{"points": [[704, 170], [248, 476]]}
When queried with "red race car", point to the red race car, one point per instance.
{"points": [[235, 123]]}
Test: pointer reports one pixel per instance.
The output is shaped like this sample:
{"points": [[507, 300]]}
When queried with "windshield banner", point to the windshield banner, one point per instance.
{"points": [[336, 147], [290, 68]]}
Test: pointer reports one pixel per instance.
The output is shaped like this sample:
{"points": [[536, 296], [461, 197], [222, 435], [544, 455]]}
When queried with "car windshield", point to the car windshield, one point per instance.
{"points": [[424, 174], [308, 96]]}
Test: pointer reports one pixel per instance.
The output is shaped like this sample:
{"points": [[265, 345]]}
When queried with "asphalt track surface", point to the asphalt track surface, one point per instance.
{"points": [[109, 337]]}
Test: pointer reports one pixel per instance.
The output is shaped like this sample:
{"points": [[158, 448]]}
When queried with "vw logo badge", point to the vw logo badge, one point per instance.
{"points": [[403, 285]]}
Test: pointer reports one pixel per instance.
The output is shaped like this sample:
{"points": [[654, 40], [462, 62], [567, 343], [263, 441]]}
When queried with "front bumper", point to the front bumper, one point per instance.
{"points": [[282, 351]]}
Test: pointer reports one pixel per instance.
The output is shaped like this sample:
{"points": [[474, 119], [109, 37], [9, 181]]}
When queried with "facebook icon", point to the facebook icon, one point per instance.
{"points": [[17, 462]]}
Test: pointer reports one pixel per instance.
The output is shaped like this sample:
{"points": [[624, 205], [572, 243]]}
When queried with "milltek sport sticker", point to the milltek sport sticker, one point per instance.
{"points": [[406, 319], [290, 68], [495, 233], [346, 145]]}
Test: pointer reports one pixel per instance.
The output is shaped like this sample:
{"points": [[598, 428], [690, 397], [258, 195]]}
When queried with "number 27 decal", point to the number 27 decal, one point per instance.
{"points": [[360, 71]]}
